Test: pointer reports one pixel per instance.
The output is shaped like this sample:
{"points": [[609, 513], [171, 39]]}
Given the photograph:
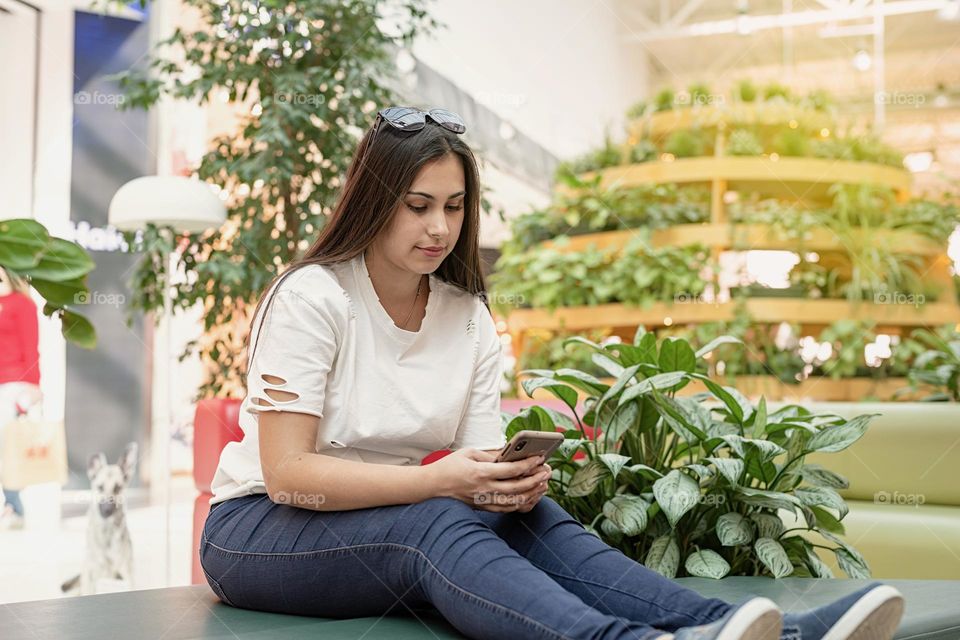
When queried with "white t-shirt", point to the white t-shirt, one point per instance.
{"points": [[383, 394]]}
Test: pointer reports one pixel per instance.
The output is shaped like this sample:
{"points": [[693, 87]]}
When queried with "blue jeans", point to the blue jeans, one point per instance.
{"points": [[12, 498], [491, 575]]}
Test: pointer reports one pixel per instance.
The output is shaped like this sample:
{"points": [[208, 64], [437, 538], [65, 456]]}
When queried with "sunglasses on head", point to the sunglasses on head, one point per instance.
{"points": [[409, 119]]}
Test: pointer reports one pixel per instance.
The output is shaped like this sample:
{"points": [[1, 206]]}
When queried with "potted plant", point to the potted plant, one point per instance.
{"points": [[693, 485]]}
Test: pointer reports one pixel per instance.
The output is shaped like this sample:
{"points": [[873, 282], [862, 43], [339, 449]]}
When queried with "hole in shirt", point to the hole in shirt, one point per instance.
{"points": [[271, 379], [277, 394]]}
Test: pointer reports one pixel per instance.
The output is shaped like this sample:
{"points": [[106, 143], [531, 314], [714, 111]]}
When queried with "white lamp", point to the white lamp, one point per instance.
{"points": [[187, 206]]}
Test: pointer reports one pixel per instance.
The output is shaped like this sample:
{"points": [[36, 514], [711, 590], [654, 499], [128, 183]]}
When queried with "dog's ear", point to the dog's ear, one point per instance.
{"points": [[128, 461], [97, 462]]}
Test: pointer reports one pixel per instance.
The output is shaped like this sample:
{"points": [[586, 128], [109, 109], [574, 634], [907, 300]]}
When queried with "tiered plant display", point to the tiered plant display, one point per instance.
{"points": [[636, 233]]}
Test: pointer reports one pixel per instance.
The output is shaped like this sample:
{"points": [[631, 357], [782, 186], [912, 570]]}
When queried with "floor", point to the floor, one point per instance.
{"points": [[37, 559]]}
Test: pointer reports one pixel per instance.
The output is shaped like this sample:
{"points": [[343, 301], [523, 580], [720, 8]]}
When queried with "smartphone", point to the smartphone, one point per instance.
{"points": [[528, 443]]}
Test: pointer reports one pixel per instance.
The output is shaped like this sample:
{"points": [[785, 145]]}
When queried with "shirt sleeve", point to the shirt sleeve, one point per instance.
{"points": [[293, 351], [28, 330], [481, 427]]}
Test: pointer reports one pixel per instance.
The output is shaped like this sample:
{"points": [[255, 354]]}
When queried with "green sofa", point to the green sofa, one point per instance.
{"points": [[904, 494]]}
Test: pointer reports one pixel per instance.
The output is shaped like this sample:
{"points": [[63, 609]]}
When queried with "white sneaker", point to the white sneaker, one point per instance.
{"points": [[10, 520]]}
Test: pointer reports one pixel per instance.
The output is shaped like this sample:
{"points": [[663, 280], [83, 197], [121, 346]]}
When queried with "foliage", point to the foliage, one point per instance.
{"points": [[693, 485], [56, 268], [311, 74], [938, 365], [639, 274]]}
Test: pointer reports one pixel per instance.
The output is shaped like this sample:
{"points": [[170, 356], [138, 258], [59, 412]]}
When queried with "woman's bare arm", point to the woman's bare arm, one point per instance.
{"points": [[296, 475]]}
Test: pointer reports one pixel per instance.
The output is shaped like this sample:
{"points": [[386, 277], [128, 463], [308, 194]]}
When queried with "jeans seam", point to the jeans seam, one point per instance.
{"points": [[614, 588], [380, 545], [220, 593]]}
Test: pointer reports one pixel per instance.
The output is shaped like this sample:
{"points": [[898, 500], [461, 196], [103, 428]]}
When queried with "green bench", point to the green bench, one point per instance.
{"points": [[194, 612]]}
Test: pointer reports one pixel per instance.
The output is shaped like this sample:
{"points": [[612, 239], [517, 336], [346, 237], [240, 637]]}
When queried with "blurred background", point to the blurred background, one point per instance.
{"points": [[785, 172]]}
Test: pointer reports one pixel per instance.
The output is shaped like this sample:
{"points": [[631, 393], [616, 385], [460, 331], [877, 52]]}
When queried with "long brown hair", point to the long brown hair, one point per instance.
{"points": [[376, 183]]}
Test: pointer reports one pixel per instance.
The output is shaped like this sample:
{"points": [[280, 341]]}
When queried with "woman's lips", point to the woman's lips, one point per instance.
{"points": [[432, 253]]}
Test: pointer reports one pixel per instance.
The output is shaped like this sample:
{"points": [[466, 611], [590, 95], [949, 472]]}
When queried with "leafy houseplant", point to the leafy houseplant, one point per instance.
{"points": [[693, 485], [56, 268], [309, 75]]}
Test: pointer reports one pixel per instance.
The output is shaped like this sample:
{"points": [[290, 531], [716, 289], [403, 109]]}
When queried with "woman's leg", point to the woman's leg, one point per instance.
{"points": [[12, 498], [387, 560], [606, 579]]}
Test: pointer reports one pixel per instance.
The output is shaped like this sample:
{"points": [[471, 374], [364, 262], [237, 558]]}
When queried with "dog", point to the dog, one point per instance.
{"points": [[109, 549]]}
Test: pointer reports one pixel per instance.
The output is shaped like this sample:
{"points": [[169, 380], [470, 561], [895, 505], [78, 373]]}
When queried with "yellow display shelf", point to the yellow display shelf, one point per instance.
{"points": [[821, 388], [660, 124], [793, 177], [760, 310], [755, 236]]}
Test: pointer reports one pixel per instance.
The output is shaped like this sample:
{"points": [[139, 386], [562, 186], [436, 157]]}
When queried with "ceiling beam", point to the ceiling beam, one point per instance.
{"points": [[852, 11]]}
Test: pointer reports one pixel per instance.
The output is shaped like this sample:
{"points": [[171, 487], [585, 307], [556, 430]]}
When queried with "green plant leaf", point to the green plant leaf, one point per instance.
{"points": [[628, 512], [733, 529], [817, 567], [558, 389], [676, 493], [78, 330], [61, 260], [587, 479], [664, 556], [645, 471], [730, 468], [614, 461], [768, 525], [706, 564], [659, 381], [676, 354], [768, 499], [716, 342], [773, 556], [624, 417], [838, 437], [819, 476], [822, 497], [21, 242]]}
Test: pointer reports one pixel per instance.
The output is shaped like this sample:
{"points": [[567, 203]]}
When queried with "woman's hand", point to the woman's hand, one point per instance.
{"points": [[472, 476]]}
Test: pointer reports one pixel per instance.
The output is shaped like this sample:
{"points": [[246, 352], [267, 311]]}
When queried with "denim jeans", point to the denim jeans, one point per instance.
{"points": [[491, 575]]}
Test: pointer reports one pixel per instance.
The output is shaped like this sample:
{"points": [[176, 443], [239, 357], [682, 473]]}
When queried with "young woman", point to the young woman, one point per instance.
{"points": [[377, 348], [19, 372]]}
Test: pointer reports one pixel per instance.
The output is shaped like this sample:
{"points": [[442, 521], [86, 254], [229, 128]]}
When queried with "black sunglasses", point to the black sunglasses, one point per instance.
{"points": [[408, 119]]}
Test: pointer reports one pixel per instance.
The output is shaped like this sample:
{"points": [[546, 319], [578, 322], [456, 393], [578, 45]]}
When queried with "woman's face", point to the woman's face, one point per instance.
{"points": [[430, 215]]}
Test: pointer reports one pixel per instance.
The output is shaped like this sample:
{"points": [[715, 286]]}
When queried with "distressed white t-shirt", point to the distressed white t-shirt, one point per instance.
{"points": [[383, 394]]}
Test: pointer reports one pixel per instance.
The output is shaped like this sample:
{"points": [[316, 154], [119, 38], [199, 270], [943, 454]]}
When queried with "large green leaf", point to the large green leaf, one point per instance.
{"points": [[60, 261], [676, 493], [559, 389], [21, 243], [707, 564], [63, 294], [768, 499], [716, 342], [660, 381], [819, 476], [733, 529], [822, 497], [676, 354], [837, 438], [730, 468], [664, 556], [773, 556], [587, 478], [78, 330], [628, 512]]}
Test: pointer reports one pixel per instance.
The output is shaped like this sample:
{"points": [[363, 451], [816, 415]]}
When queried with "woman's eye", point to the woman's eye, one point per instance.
{"points": [[455, 208], [417, 209]]}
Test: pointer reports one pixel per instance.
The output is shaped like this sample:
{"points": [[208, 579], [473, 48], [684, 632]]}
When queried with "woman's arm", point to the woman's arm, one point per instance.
{"points": [[294, 474]]}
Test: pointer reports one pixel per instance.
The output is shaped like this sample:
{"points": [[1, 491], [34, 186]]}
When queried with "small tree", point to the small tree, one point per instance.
{"points": [[313, 72]]}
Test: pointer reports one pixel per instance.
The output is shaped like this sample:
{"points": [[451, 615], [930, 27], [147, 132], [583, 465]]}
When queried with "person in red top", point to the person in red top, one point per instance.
{"points": [[19, 370]]}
